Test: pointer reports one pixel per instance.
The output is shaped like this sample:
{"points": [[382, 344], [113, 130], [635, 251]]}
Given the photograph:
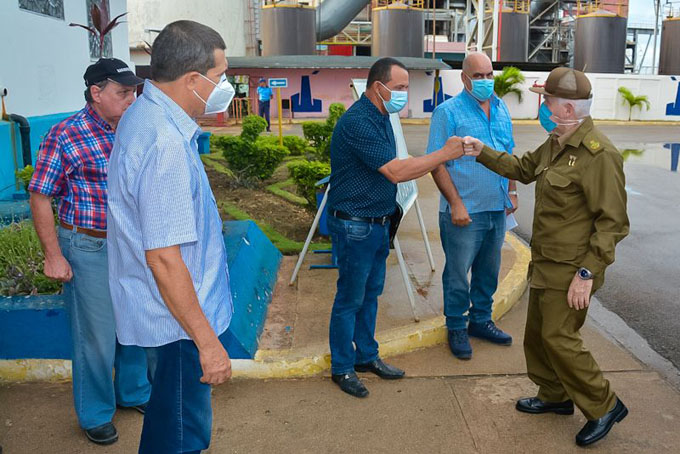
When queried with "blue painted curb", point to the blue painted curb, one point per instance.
{"points": [[36, 327]]}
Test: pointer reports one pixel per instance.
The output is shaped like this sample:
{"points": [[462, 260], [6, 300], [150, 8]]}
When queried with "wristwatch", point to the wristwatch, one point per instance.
{"points": [[585, 274], [512, 192]]}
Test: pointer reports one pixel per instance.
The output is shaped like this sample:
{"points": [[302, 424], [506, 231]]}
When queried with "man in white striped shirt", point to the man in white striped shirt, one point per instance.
{"points": [[167, 262]]}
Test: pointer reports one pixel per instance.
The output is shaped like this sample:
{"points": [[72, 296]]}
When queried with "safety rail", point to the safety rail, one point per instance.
{"points": [[618, 7], [420, 4]]}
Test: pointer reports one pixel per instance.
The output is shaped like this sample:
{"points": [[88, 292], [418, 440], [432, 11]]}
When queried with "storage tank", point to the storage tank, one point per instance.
{"points": [[669, 58], [514, 36], [288, 29], [398, 31], [600, 43]]}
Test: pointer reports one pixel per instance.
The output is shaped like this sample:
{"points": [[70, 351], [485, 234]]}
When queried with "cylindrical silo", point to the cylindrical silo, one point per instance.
{"points": [[514, 36], [600, 43], [669, 58], [398, 31], [288, 29]]}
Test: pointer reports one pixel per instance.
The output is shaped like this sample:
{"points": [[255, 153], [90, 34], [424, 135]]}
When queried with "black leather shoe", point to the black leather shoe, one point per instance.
{"points": [[536, 406], [351, 384], [381, 369], [105, 434], [597, 429]]}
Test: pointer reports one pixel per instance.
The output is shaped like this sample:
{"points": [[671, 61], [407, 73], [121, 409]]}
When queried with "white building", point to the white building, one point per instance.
{"points": [[43, 59], [233, 19]]}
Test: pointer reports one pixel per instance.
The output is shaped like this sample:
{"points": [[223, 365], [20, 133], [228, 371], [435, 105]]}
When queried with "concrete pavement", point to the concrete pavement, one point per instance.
{"points": [[444, 405]]}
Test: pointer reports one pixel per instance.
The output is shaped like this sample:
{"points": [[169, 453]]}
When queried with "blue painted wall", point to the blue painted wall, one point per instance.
{"points": [[37, 326], [39, 127]]}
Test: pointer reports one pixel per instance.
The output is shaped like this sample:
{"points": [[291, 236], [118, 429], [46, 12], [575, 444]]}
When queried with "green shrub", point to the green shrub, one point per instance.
{"points": [[253, 126], [297, 146], [24, 175], [305, 174], [21, 262], [319, 133], [250, 156]]}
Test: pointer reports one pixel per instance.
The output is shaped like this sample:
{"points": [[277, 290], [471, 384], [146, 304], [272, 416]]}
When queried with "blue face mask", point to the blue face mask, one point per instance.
{"points": [[397, 102], [482, 89], [544, 115]]}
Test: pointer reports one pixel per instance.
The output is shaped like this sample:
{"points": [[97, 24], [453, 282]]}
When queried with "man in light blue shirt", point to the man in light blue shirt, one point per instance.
{"points": [[264, 96], [473, 206], [167, 263]]}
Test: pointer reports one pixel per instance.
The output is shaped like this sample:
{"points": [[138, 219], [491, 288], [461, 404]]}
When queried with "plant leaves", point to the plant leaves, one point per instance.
{"points": [[114, 23], [96, 15], [89, 29]]}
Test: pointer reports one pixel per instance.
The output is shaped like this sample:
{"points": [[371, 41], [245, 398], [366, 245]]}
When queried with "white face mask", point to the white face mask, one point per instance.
{"points": [[219, 98]]}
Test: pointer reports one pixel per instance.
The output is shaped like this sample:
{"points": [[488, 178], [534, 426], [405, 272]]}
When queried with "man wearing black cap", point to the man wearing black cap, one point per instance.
{"points": [[580, 216], [72, 166], [264, 96]]}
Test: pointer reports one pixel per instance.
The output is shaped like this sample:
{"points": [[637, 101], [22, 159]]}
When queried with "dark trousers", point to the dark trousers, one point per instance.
{"points": [[263, 111], [557, 361], [362, 250], [178, 418]]}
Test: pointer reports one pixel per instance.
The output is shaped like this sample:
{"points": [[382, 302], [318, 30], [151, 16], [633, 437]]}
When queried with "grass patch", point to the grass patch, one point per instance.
{"points": [[217, 163], [282, 243], [277, 189]]}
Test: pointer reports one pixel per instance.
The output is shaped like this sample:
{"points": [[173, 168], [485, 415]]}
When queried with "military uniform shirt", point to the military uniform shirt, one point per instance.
{"points": [[580, 210]]}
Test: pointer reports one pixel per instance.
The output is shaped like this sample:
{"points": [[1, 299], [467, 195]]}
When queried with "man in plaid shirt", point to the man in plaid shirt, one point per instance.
{"points": [[72, 167]]}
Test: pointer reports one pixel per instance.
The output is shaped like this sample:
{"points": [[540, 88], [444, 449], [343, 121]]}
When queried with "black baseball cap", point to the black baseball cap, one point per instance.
{"points": [[113, 69]]}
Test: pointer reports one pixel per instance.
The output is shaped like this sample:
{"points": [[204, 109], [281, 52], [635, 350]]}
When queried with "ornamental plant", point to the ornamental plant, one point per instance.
{"points": [[319, 133], [633, 101], [251, 157], [102, 26], [509, 81], [305, 174]]}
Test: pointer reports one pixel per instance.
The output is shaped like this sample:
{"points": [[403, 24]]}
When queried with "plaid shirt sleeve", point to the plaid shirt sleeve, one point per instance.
{"points": [[49, 178]]}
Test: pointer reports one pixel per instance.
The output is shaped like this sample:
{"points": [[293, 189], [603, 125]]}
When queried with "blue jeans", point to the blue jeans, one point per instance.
{"points": [[475, 247], [362, 250], [178, 418], [95, 351]]}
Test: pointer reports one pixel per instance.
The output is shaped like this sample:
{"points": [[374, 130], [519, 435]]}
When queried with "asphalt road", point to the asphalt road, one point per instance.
{"points": [[643, 285]]}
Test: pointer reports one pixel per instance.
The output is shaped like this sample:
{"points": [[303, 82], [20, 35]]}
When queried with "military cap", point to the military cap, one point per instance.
{"points": [[566, 83]]}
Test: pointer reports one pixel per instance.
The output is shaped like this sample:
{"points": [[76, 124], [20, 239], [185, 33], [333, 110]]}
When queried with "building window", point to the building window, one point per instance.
{"points": [[52, 8], [94, 41]]}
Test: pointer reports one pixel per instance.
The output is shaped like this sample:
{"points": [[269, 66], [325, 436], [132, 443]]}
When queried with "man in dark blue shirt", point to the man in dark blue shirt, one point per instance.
{"points": [[365, 171]]}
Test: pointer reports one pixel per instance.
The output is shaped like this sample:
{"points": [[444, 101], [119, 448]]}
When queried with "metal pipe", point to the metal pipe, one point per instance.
{"points": [[332, 16], [25, 132]]}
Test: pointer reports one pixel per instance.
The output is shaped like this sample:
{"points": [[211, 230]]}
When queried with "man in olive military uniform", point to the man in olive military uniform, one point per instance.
{"points": [[579, 217]]}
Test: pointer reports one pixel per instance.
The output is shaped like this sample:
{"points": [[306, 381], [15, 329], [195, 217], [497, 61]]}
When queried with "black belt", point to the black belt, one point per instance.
{"points": [[382, 220]]}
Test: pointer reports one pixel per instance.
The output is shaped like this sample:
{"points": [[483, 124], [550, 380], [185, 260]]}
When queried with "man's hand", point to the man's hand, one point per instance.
{"points": [[57, 267], [578, 296], [472, 146], [453, 148], [215, 364], [515, 204], [459, 214]]}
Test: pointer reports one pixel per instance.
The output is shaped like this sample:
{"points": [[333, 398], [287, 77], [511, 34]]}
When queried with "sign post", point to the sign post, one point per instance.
{"points": [[279, 84]]}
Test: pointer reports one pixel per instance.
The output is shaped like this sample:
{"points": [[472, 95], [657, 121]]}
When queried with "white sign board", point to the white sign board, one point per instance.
{"points": [[278, 83], [406, 192]]}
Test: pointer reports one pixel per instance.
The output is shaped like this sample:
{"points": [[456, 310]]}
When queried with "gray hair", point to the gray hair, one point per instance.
{"points": [[88, 93], [581, 106], [181, 47]]}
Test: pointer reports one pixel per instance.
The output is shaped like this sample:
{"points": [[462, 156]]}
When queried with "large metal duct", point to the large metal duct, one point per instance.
{"points": [[332, 16], [600, 43], [669, 58], [288, 30], [514, 40], [398, 32]]}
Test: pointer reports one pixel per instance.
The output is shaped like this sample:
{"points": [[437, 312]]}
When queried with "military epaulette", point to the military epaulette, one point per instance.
{"points": [[594, 143]]}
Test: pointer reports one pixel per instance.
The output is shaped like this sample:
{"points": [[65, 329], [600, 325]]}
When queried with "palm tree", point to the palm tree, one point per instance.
{"points": [[508, 82], [102, 24], [633, 101]]}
